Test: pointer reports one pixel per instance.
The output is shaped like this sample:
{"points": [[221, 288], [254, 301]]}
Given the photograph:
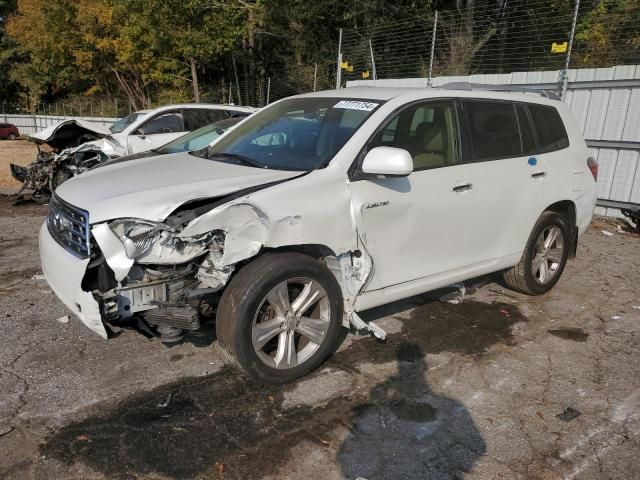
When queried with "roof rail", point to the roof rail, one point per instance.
{"points": [[500, 88]]}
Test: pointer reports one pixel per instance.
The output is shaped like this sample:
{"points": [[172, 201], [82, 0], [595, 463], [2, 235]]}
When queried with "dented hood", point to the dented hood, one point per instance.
{"points": [[68, 132], [151, 188]]}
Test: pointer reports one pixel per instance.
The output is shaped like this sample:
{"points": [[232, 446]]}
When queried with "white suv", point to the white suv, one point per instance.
{"points": [[318, 207]]}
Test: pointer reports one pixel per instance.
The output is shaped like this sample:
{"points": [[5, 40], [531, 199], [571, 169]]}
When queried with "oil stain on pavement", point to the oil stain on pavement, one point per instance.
{"points": [[570, 333], [185, 429]]}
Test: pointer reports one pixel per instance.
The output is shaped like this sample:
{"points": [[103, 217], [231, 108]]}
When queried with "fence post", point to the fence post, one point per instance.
{"points": [[315, 76], [433, 47], [268, 89], [373, 62], [564, 74], [339, 71]]}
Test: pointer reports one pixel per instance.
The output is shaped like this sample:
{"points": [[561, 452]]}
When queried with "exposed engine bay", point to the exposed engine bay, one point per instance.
{"points": [[68, 155]]}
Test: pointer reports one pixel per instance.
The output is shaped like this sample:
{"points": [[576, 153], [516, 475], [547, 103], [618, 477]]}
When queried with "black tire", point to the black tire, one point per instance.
{"points": [[521, 277], [243, 299], [12, 136]]}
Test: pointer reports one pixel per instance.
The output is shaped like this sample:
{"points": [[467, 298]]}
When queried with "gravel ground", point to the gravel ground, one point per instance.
{"points": [[20, 152], [470, 390]]}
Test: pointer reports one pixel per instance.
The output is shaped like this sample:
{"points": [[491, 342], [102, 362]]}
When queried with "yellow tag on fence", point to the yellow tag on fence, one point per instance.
{"points": [[559, 47]]}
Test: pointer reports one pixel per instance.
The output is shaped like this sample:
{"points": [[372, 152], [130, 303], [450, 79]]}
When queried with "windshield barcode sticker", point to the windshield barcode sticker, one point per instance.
{"points": [[353, 105]]}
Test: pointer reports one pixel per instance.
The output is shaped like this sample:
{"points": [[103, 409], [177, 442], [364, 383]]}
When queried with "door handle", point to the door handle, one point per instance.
{"points": [[462, 188], [538, 174]]}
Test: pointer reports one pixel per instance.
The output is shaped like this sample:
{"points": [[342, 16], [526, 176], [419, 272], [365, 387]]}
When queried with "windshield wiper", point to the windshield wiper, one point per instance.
{"points": [[236, 158]]}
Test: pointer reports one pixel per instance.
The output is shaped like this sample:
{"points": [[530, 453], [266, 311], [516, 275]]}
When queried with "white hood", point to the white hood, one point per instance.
{"points": [[151, 188]]}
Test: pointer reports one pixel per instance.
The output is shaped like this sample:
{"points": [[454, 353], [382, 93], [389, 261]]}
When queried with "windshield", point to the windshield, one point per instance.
{"points": [[294, 134], [122, 123], [199, 138]]}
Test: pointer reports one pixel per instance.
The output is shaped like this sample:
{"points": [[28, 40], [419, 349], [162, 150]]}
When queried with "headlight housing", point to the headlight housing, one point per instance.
{"points": [[139, 236]]}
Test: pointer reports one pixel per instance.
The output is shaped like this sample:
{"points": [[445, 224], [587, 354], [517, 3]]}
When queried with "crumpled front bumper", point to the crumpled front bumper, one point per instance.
{"points": [[64, 273]]}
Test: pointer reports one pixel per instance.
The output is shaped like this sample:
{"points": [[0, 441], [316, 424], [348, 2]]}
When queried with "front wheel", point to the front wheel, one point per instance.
{"points": [[280, 317], [544, 257], [12, 136]]}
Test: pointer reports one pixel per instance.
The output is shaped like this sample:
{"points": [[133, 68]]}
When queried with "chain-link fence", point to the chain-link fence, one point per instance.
{"points": [[500, 37], [509, 36]]}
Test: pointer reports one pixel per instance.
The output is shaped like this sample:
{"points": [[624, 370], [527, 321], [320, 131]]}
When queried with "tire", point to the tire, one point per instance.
{"points": [[252, 320], [526, 277], [12, 136]]}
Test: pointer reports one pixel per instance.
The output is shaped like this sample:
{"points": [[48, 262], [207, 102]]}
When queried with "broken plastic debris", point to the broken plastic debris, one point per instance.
{"points": [[455, 296], [38, 276], [63, 319], [616, 317], [607, 233], [569, 414], [165, 404], [369, 326]]}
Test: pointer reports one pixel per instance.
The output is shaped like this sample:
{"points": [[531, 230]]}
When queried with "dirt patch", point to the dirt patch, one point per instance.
{"points": [[20, 152], [187, 428]]}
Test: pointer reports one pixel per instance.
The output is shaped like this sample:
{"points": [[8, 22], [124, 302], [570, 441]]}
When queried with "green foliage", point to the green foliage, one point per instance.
{"points": [[149, 51]]}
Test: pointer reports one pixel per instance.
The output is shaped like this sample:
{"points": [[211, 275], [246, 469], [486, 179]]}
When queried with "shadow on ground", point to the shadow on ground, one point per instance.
{"points": [[188, 428], [407, 431]]}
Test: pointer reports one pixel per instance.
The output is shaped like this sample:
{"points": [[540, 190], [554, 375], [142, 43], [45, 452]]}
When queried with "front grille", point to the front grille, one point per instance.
{"points": [[69, 226]]}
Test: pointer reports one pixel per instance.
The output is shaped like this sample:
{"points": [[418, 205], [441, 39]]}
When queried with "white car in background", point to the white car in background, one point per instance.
{"points": [[318, 207], [162, 125]]}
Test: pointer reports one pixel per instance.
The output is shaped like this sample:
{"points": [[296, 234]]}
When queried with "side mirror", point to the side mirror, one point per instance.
{"points": [[388, 161]]}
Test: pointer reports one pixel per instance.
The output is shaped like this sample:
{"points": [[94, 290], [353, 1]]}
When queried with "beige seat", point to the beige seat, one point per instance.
{"points": [[433, 137]]}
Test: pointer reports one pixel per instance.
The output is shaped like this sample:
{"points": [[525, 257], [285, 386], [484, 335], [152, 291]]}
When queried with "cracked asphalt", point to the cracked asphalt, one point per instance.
{"points": [[469, 390]]}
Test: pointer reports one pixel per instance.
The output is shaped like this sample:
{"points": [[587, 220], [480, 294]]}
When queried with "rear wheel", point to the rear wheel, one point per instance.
{"points": [[12, 136], [544, 257], [280, 317]]}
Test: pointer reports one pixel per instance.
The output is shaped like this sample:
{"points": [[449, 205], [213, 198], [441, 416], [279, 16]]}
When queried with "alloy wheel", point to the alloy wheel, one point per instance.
{"points": [[548, 254], [291, 323]]}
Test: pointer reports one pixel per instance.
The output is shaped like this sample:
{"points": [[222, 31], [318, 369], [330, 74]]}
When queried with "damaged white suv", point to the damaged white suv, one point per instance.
{"points": [[320, 206]]}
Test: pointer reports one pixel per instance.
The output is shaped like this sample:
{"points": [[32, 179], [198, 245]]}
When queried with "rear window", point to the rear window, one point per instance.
{"points": [[494, 130], [550, 131]]}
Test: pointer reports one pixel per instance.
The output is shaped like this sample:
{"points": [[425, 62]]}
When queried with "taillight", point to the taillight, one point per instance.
{"points": [[592, 163]]}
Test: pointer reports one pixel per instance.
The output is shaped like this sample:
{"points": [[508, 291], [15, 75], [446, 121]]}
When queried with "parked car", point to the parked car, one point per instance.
{"points": [[8, 131], [79, 144], [318, 207], [195, 140], [165, 124]]}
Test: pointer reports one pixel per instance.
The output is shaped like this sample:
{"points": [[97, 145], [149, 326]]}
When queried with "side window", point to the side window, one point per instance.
{"points": [[526, 130], [494, 130], [550, 130], [195, 118], [428, 131], [169, 122]]}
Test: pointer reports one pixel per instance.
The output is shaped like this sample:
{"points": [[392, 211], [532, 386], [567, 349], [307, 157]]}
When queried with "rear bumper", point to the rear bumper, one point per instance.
{"points": [[585, 205], [64, 273]]}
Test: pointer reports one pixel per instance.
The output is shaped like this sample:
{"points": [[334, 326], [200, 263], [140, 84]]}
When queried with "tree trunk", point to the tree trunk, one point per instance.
{"points": [[194, 81]]}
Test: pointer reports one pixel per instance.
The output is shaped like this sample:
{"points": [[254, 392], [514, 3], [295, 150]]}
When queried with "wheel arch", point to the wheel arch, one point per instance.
{"points": [[314, 250], [567, 209]]}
